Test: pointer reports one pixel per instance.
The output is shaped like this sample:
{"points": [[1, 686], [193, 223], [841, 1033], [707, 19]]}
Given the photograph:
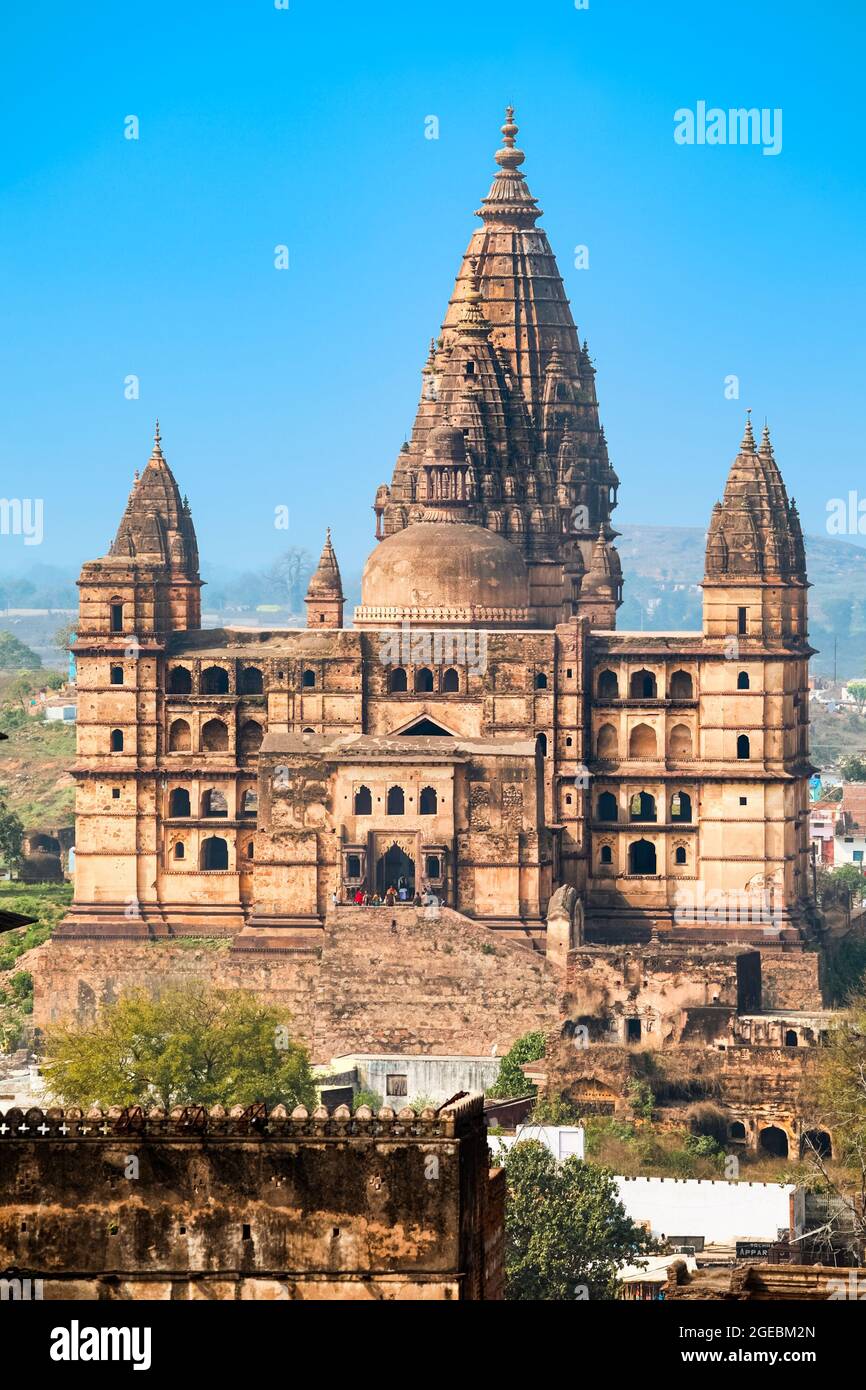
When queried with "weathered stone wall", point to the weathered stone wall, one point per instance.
{"points": [[209, 1205], [791, 980], [74, 978], [445, 985]]}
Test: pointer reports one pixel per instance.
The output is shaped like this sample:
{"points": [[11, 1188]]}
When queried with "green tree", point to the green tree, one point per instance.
{"points": [[566, 1231], [849, 877], [853, 768], [510, 1080], [836, 1101], [11, 835], [64, 635], [193, 1046], [554, 1109], [857, 691], [366, 1097], [14, 654], [641, 1098]]}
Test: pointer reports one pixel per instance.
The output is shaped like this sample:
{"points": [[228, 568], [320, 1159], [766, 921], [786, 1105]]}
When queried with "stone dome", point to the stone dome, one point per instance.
{"points": [[447, 573]]}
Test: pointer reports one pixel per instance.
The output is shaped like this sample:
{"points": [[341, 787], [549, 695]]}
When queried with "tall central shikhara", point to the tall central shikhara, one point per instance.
{"points": [[508, 372]]}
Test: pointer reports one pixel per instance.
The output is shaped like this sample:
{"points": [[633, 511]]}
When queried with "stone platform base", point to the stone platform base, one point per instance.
{"points": [[429, 983]]}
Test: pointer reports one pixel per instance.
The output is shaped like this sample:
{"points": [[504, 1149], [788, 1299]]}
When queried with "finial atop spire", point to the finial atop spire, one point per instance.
{"points": [[509, 157], [157, 440], [748, 442], [766, 443]]}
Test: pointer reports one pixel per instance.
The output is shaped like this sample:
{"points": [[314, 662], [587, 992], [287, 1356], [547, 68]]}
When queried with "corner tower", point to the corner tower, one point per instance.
{"points": [[131, 602], [755, 579], [754, 691], [508, 371]]}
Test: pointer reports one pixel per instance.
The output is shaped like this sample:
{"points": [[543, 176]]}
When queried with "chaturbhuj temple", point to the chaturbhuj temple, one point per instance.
{"points": [[477, 729]]}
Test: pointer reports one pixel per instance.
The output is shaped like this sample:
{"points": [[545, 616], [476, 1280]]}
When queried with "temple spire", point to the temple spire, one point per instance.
{"points": [[324, 597]]}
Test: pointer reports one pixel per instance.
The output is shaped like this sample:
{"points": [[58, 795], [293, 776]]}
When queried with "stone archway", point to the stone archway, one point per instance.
{"points": [[773, 1141], [392, 867]]}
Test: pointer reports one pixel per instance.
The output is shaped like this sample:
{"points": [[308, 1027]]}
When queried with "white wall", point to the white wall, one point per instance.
{"points": [[433, 1076], [562, 1140], [721, 1212]]}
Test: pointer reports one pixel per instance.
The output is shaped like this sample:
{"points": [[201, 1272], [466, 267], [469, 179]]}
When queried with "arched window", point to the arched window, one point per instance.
{"points": [[117, 740], [396, 801], [681, 741], [607, 745], [642, 806], [681, 807], [251, 681], [608, 686], [541, 744], [116, 615], [250, 737], [642, 742], [743, 680], [214, 853], [179, 850], [428, 801], [213, 803], [179, 681], [423, 680], [179, 737], [679, 855], [681, 687], [363, 802], [250, 849], [397, 680], [214, 736], [450, 681], [643, 685], [743, 746], [308, 680], [250, 803], [607, 808], [353, 866], [816, 1141], [178, 802], [606, 855], [791, 1039], [774, 1141], [737, 1130], [642, 857], [214, 681], [117, 675], [541, 680], [433, 866]]}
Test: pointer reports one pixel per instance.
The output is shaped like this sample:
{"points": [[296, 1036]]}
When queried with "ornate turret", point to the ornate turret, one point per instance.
{"points": [[156, 528], [755, 580], [148, 584], [325, 598], [508, 371]]}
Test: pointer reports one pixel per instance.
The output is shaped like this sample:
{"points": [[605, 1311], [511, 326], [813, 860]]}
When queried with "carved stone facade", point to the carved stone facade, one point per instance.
{"points": [[482, 731]]}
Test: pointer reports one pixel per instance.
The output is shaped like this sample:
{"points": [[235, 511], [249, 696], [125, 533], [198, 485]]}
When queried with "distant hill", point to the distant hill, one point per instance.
{"points": [[663, 567]]}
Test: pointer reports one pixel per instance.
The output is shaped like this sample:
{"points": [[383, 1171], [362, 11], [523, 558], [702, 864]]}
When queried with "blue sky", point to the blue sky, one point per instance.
{"points": [[305, 127]]}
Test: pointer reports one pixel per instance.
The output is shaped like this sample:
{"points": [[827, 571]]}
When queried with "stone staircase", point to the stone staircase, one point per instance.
{"points": [[421, 980]]}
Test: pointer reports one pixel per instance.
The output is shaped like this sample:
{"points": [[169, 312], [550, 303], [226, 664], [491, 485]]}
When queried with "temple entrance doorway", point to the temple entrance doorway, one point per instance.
{"points": [[396, 869]]}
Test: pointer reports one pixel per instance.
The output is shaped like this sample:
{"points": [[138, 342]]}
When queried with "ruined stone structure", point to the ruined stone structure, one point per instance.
{"points": [[481, 732], [252, 1204]]}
